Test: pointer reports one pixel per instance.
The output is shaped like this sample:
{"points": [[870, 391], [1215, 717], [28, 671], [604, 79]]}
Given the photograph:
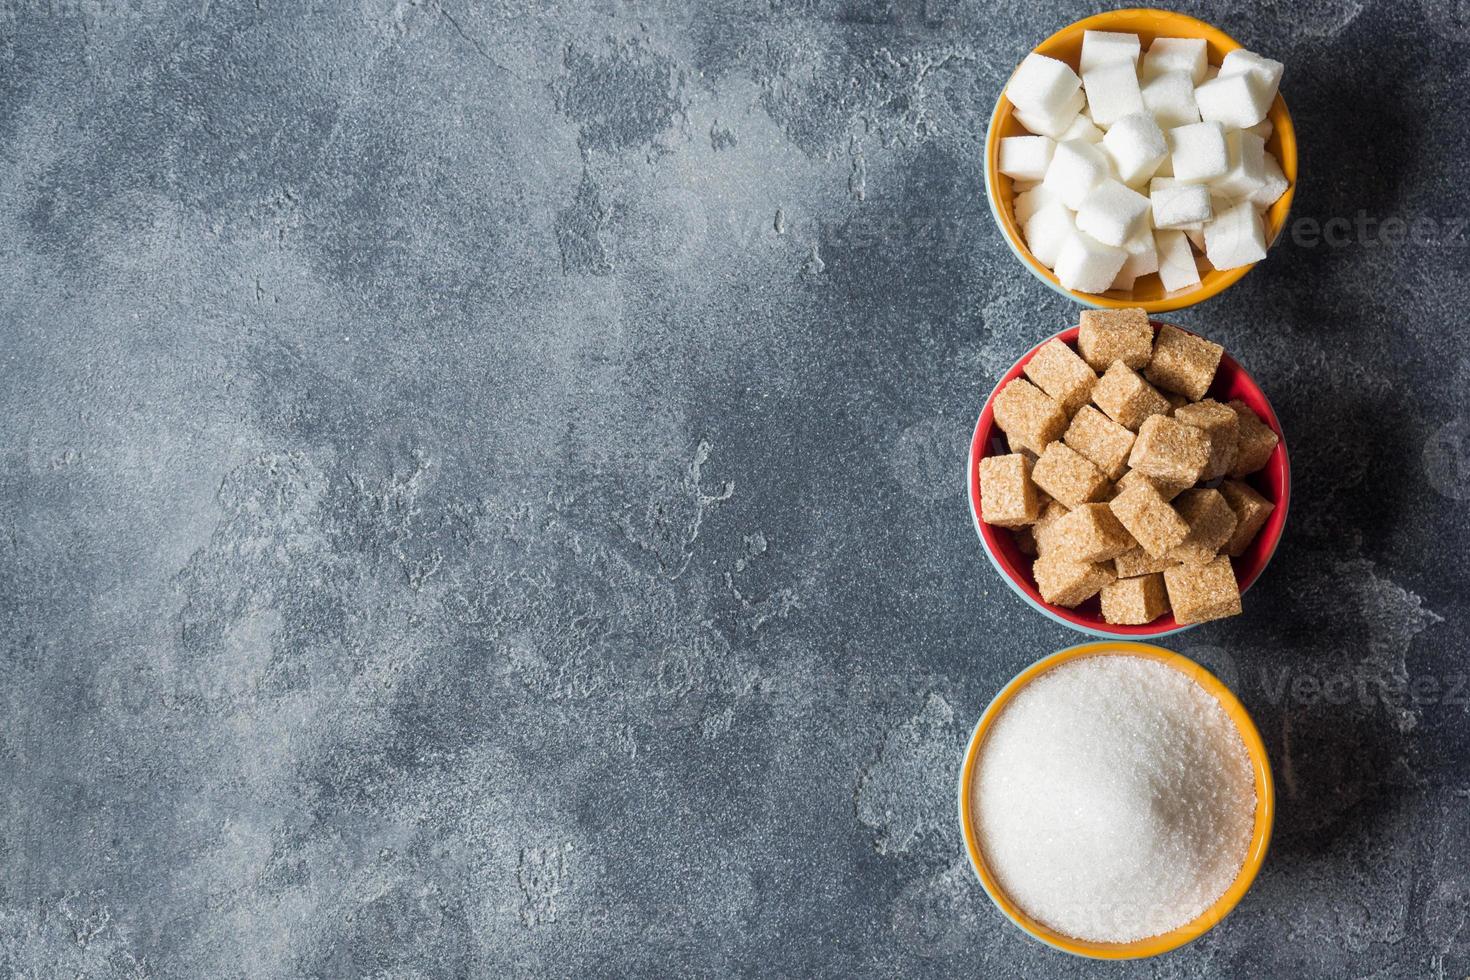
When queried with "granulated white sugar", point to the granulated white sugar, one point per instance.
{"points": [[1114, 799]]}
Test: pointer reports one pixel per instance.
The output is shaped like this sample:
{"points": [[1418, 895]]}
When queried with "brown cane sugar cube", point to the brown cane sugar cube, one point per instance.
{"points": [[1007, 495], [1135, 601], [1050, 514], [1168, 489], [1170, 450], [1106, 336], [1025, 539], [1176, 402], [1136, 562], [1203, 592], [1256, 441], [1067, 476], [1251, 510], [1089, 533], [1028, 417], [1211, 522], [1183, 362], [1147, 516], [1127, 398], [1222, 425], [1104, 442], [1064, 582], [1056, 369]]}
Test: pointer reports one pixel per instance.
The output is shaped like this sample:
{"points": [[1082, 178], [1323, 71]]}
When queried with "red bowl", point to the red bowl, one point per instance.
{"points": [[1273, 482]]}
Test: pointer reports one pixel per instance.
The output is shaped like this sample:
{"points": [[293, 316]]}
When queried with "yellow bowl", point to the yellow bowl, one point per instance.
{"points": [[1147, 292], [1260, 836]]}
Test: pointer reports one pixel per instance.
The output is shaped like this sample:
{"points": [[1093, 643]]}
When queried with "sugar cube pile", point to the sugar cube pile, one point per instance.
{"points": [[1140, 157], [1124, 479], [1113, 798]]}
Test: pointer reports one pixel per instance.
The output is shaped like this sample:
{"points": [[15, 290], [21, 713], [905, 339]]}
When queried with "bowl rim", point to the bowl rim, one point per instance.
{"points": [[1281, 123], [1164, 626], [1265, 814]]}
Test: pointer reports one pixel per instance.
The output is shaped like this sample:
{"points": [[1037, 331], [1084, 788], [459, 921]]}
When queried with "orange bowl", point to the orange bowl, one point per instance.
{"points": [[1265, 815], [1148, 291]]}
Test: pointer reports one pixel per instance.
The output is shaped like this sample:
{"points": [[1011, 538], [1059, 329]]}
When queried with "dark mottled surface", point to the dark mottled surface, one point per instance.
{"points": [[482, 490]]}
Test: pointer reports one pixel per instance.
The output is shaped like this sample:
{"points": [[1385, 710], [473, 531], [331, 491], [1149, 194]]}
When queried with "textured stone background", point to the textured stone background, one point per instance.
{"points": [[482, 490]]}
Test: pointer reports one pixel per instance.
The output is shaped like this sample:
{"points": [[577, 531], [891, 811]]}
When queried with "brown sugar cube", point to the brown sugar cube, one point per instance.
{"points": [[1106, 336], [1147, 516], [1170, 450], [1135, 562], [1135, 601], [1251, 510], [1175, 401], [1056, 369], [1050, 514], [1168, 489], [1256, 441], [1183, 362], [1104, 442], [1068, 476], [1127, 398], [1025, 540], [1028, 417], [1064, 582], [1007, 495], [1089, 533], [1203, 592], [1211, 522], [1222, 425]]}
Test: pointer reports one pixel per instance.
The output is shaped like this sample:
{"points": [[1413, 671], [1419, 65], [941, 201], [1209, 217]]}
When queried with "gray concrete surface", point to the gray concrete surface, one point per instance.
{"points": [[482, 490]]}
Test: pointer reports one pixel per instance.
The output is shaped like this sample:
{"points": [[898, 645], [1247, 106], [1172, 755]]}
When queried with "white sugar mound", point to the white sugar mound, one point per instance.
{"points": [[1114, 799]]}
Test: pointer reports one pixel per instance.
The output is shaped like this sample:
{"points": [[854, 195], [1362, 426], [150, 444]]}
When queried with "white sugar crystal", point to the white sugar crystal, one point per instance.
{"points": [[1198, 152], [1273, 186], [1042, 86], [1235, 237], [1186, 54], [1170, 97], [1047, 231], [1053, 124], [1033, 199], [1176, 204], [1267, 72], [1113, 799], [1246, 172], [1112, 92], [1106, 47], [1082, 128], [1177, 269], [1076, 168], [1087, 265], [1136, 146], [1235, 101], [1025, 157], [1113, 213]]}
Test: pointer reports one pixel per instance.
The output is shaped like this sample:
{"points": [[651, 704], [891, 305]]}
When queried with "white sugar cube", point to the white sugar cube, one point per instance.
{"points": [[1177, 204], [1082, 129], [1273, 186], [1235, 238], [1165, 169], [1170, 97], [1198, 152], [1267, 72], [1076, 168], [1025, 157], [1087, 265], [1124, 280], [1196, 236], [1236, 101], [1136, 146], [1112, 92], [1047, 231], [1186, 54], [1246, 172], [1031, 200], [1143, 254], [1106, 47], [1212, 72], [1113, 213], [1262, 129], [1042, 85], [1053, 124], [1177, 269]]}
